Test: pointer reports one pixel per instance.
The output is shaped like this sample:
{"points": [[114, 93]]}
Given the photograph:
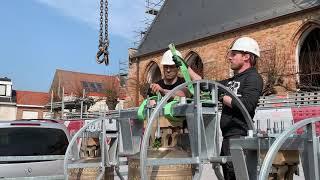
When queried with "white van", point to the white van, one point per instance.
{"points": [[30, 148]]}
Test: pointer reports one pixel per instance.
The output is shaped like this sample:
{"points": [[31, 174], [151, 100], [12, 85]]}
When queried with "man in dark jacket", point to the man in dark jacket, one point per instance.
{"points": [[247, 84]]}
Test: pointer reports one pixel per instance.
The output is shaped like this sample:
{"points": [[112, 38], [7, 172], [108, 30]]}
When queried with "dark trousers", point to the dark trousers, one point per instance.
{"points": [[228, 171]]}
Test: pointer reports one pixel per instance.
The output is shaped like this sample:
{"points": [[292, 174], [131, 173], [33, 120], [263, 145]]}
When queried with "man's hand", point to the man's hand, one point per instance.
{"points": [[179, 61], [155, 88], [227, 100], [152, 103]]}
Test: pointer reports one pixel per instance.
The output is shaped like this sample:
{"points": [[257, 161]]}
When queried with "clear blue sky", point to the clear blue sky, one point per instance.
{"points": [[39, 36]]}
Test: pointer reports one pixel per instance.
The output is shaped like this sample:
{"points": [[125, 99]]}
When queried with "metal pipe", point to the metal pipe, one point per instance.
{"points": [[276, 127], [268, 126], [62, 105], [282, 126], [104, 156], [258, 126], [197, 174], [219, 159], [81, 108], [51, 103]]}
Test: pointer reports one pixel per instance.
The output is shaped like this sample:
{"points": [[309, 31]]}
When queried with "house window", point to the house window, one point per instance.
{"points": [[92, 86], [2, 90], [85, 86], [99, 87], [154, 73]]}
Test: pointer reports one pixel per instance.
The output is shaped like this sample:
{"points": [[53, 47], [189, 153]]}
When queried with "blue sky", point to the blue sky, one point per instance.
{"points": [[39, 36]]}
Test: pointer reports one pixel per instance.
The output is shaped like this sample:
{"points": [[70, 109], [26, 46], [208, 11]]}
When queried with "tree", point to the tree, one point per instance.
{"points": [[111, 98], [273, 68]]}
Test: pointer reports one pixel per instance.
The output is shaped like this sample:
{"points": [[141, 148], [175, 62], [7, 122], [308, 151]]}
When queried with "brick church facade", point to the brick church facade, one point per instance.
{"points": [[288, 40]]}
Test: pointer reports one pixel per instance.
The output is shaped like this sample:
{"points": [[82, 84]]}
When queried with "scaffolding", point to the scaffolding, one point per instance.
{"points": [[70, 107], [123, 72], [152, 8]]}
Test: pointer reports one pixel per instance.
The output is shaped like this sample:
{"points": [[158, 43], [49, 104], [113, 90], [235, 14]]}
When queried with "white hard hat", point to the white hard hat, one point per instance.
{"points": [[246, 44], [167, 58]]}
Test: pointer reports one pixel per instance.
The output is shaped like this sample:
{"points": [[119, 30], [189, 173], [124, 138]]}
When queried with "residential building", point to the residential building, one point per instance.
{"points": [[8, 109], [31, 105], [70, 87]]}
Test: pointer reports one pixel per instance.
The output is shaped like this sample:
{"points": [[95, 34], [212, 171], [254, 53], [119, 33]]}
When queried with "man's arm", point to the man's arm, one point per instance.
{"points": [[155, 88], [224, 99], [194, 76], [179, 62]]}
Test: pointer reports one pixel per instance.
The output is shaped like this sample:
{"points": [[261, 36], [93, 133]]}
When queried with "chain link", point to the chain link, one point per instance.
{"points": [[103, 36], [106, 24], [101, 24]]}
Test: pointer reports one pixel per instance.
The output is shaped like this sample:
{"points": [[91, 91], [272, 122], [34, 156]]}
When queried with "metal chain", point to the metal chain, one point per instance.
{"points": [[106, 25], [103, 37], [101, 24]]}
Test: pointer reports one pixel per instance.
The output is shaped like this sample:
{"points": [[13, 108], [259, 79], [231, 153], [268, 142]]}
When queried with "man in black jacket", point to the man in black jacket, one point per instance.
{"points": [[246, 83]]}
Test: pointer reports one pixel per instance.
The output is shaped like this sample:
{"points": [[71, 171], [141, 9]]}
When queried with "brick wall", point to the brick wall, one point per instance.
{"points": [[281, 35]]}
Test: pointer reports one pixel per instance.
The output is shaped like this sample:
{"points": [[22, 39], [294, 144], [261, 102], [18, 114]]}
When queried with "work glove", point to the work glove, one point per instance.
{"points": [[179, 61], [220, 97]]}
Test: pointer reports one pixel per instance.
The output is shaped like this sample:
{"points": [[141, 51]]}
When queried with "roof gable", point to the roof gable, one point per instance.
{"points": [[182, 21], [75, 82], [32, 98]]}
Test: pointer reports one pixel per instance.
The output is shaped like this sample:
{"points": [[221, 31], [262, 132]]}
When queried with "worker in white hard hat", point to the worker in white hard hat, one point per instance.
{"points": [[247, 84], [170, 78], [169, 81]]}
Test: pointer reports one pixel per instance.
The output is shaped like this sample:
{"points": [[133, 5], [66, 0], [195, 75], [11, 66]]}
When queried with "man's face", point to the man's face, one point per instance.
{"points": [[237, 59], [170, 72]]}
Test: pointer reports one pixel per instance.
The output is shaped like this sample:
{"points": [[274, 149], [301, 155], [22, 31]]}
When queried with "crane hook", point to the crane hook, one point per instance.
{"points": [[102, 51]]}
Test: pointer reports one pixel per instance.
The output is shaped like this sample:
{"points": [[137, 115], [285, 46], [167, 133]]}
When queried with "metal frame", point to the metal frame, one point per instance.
{"points": [[38, 178], [311, 150], [70, 151], [203, 135], [200, 132], [131, 132]]}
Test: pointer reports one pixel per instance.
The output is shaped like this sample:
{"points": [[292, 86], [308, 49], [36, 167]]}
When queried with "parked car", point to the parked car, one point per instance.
{"points": [[31, 148]]}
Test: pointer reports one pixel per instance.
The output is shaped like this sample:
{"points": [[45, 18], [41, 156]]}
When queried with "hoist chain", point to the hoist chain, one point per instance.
{"points": [[101, 24], [106, 24], [103, 38]]}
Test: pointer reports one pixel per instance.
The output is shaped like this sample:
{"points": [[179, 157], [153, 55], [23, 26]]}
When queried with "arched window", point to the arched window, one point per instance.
{"points": [[309, 63], [195, 63], [153, 73]]}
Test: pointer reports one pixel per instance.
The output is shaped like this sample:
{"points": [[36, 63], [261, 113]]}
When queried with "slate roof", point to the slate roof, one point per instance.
{"points": [[181, 21], [5, 79]]}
